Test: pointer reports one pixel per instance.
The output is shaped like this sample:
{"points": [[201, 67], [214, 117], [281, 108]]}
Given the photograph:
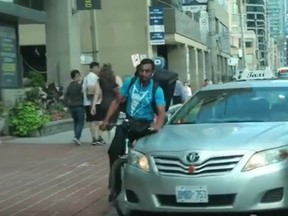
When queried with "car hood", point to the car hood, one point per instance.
{"points": [[223, 136]]}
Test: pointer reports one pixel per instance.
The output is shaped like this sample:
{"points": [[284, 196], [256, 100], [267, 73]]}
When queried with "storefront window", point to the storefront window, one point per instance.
{"points": [[33, 4], [10, 1]]}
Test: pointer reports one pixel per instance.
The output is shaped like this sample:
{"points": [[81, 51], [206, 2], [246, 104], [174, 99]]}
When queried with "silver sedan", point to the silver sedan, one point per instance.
{"points": [[223, 151]]}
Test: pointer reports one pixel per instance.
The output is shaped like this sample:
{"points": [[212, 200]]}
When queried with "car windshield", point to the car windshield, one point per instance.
{"points": [[235, 105]]}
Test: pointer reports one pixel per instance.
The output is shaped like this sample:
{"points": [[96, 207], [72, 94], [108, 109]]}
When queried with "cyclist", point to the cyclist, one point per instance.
{"points": [[138, 98]]}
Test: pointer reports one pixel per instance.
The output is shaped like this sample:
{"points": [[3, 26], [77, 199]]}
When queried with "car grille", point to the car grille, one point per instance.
{"points": [[173, 166]]}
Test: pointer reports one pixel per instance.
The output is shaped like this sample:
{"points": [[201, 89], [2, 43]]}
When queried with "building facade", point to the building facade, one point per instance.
{"points": [[27, 24], [257, 21], [243, 46], [276, 15], [65, 37], [12, 14]]}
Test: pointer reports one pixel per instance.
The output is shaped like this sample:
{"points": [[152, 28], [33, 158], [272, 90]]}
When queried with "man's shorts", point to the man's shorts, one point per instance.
{"points": [[92, 118]]}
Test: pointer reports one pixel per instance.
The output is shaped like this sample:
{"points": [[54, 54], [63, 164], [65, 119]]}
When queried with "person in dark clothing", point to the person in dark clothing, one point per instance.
{"points": [[74, 101], [108, 85], [138, 68]]}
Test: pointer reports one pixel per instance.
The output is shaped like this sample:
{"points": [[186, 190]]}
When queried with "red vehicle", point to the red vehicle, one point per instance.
{"points": [[282, 72]]}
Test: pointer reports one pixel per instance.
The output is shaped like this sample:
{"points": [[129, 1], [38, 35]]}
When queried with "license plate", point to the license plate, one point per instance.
{"points": [[191, 194]]}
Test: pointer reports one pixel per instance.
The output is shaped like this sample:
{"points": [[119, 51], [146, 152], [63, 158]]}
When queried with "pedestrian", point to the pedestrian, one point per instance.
{"points": [[179, 95], [206, 83], [73, 98], [91, 88], [118, 79], [188, 89], [109, 87]]}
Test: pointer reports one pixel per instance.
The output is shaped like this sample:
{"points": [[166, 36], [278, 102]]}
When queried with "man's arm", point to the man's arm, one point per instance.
{"points": [[161, 104], [97, 94]]}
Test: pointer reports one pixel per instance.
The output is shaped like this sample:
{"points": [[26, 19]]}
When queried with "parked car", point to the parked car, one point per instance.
{"points": [[225, 150]]}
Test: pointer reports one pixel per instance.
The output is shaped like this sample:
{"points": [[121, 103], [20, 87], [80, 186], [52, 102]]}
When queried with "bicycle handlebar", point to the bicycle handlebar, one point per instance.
{"points": [[125, 123], [118, 124]]}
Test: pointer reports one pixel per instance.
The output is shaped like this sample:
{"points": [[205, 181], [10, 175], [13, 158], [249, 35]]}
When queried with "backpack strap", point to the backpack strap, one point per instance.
{"points": [[153, 104], [123, 105], [132, 81]]}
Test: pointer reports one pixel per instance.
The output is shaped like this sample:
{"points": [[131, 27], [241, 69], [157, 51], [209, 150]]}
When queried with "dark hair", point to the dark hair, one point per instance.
{"points": [[138, 68], [206, 80], [148, 61], [94, 64], [74, 73], [106, 73]]}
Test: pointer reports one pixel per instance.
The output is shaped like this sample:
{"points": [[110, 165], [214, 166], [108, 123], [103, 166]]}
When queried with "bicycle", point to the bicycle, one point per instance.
{"points": [[119, 164]]}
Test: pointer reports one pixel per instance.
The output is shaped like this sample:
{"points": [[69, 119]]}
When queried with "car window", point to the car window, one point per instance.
{"points": [[235, 105]]}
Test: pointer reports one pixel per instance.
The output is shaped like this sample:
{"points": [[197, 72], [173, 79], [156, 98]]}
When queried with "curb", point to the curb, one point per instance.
{"points": [[6, 138]]}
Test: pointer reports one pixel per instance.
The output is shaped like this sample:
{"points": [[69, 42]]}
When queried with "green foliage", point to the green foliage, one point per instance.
{"points": [[26, 117], [33, 95], [37, 79]]}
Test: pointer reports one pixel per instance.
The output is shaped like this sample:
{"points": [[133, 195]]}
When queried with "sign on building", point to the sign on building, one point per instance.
{"points": [[9, 68], [88, 4], [194, 6], [156, 26]]}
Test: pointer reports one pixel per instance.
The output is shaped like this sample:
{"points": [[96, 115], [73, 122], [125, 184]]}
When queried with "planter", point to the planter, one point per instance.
{"points": [[54, 127]]}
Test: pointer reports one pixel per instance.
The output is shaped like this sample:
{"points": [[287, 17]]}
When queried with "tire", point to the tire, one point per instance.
{"points": [[118, 165]]}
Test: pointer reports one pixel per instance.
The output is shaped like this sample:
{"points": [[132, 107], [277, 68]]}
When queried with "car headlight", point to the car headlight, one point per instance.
{"points": [[140, 160], [267, 157]]}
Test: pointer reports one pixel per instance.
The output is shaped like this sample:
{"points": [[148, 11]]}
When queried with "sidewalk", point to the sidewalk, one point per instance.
{"points": [[61, 138], [50, 176]]}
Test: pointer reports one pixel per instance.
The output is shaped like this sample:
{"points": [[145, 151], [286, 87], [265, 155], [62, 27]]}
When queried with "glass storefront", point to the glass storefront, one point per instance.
{"points": [[13, 13], [33, 4]]}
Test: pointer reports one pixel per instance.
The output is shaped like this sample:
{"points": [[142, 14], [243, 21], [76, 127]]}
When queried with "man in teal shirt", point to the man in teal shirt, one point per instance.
{"points": [[139, 99]]}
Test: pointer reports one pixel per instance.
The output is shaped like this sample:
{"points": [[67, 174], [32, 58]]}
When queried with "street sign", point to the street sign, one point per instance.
{"points": [[9, 57], [194, 6], [156, 26], [88, 4], [135, 59], [159, 62]]}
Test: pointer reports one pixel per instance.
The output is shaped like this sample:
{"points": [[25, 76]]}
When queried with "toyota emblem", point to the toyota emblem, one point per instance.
{"points": [[193, 157]]}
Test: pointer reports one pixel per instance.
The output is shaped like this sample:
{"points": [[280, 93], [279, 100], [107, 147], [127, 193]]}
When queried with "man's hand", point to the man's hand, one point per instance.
{"points": [[103, 125], [93, 110], [155, 127]]}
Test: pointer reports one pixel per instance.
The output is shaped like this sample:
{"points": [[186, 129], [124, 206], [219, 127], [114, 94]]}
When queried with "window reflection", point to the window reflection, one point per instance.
{"points": [[235, 105]]}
